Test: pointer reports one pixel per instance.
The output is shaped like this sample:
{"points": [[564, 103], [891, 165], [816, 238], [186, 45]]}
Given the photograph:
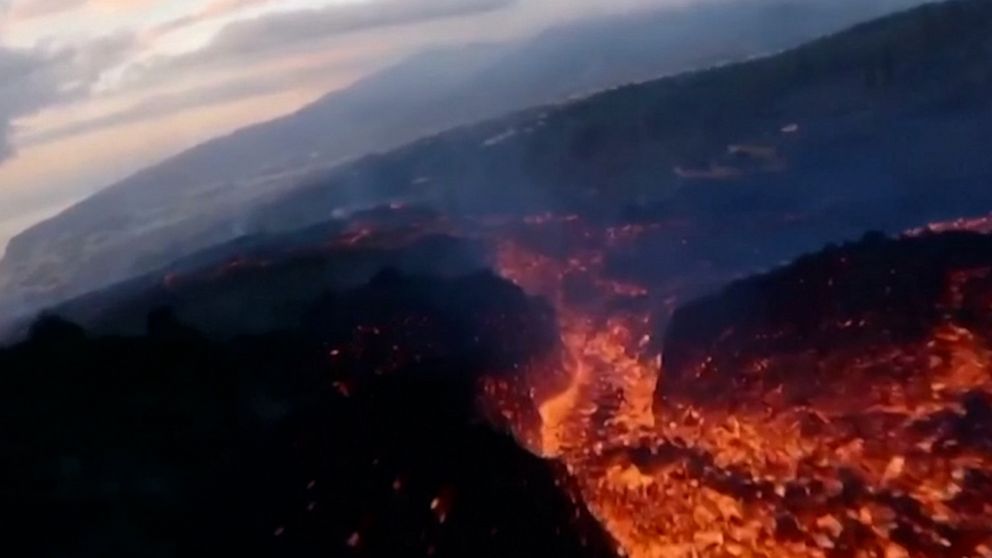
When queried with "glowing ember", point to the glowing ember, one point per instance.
{"points": [[876, 449], [973, 224], [804, 458]]}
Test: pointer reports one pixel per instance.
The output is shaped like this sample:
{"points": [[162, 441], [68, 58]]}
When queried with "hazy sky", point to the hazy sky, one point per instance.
{"points": [[92, 90]]}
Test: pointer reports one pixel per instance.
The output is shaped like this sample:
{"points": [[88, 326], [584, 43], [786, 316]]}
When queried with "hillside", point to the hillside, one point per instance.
{"points": [[841, 401], [743, 311], [202, 196], [867, 124], [825, 396], [167, 444]]}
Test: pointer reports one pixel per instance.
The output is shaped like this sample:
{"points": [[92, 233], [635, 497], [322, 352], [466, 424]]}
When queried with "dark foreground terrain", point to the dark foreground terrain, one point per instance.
{"points": [[368, 385], [859, 381], [354, 433], [843, 401]]}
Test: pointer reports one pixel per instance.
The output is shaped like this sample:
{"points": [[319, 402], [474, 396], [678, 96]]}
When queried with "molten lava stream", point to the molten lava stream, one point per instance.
{"points": [[876, 450], [608, 397], [732, 468], [606, 406]]}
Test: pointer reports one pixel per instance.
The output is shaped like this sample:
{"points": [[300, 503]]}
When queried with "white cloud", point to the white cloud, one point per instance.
{"points": [[281, 30], [30, 9], [228, 68], [32, 79]]}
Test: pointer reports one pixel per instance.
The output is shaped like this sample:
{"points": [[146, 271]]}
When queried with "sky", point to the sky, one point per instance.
{"points": [[94, 90]]}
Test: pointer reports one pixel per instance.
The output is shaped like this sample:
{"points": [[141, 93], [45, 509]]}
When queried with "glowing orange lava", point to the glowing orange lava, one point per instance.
{"points": [[754, 469], [861, 451]]}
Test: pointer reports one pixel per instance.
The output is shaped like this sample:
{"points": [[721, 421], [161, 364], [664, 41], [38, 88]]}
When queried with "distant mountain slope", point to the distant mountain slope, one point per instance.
{"points": [[882, 126], [199, 198]]}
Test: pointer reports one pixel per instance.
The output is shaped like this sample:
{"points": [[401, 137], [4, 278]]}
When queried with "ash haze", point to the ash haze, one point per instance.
{"points": [[496, 278], [92, 90]]}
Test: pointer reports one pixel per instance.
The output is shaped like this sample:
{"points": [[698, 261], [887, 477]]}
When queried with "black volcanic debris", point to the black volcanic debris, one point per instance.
{"points": [[350, 426], [246, 288], [481, 320], [859, 299], [352, 434], [313, 392], [881, 345]]}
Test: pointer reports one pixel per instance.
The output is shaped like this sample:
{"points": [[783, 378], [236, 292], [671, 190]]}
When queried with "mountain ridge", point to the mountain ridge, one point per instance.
{"points": [[149, 226], [839, 92]]}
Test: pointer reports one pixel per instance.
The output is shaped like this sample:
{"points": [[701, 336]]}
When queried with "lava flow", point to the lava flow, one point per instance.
{"points": [[810, 427], [606, 405], [786, 454]]}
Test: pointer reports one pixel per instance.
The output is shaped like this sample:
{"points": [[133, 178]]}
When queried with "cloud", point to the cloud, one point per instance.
{"points": [[6, 150], [289, 28], [247, 42], [255, 84], [30, 9], [213, 10], [32, 79], [46, 76], [25, 86], [279, 31]]}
